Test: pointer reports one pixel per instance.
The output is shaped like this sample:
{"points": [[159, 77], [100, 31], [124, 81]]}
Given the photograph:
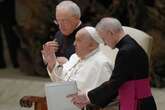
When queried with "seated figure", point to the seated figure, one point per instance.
{"points": [[89, 67]]}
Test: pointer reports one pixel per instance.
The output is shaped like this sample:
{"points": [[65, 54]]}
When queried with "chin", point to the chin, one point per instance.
{"points": [[65, 33], [78, 54]]}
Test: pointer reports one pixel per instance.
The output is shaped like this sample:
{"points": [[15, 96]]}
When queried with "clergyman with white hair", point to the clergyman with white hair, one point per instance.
{"points": [[67, 17], [89, 67]]}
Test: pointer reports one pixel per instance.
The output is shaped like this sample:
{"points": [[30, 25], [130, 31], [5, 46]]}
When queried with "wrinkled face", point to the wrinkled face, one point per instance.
{"points": [[108, 37], [82, 43], [66, 21]]}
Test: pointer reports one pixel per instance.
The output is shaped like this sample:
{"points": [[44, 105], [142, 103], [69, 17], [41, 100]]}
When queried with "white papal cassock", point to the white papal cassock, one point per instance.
{"points": [[88, 73]]}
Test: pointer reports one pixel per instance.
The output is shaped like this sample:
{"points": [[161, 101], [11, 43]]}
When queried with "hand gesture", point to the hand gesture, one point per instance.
{"points": [[48, 54], [79, 100]]}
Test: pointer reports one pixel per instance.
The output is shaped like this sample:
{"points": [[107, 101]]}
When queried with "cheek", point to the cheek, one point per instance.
{"points": [[61, 27], [69, 26], [80, 46], [77, 45]]}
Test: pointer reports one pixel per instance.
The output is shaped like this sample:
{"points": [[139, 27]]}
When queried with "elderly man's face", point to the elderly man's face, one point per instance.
{"points": [[67, 22], [107, 37], [82, 43]]}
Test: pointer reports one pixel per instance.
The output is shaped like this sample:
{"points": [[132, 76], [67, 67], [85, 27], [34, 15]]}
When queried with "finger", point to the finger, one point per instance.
{"points": [[79, 105], [76, 99], [45, 47], [21, 103], [71, 95], [52, 43], [52, 48], [56, 49], [25, 103], [29, 104]]}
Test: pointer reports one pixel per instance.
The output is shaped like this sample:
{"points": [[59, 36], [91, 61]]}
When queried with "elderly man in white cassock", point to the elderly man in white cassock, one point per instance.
{"points": [[89, 67]]}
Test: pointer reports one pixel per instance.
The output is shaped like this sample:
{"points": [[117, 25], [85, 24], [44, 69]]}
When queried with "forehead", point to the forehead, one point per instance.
{"points": [[102, 32], [63, 12]]}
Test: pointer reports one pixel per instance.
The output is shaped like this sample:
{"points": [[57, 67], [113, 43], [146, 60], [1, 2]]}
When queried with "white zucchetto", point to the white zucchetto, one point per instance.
{"points": [[93, 33]]}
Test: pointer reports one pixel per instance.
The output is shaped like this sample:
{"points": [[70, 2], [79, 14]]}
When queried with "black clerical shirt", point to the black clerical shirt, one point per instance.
{"points": [[66, 43]]}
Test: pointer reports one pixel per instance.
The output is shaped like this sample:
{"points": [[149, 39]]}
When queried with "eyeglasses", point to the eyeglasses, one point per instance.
{"points": [[63, 20]]}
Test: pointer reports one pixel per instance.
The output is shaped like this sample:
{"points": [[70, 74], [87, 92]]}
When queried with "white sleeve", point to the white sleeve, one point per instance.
{"points": [[59, 71], [56, 74]]}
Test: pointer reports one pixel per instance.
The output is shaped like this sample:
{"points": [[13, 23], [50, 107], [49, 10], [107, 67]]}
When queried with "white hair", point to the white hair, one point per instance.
{"points": [[72, 7], [109, 24]]}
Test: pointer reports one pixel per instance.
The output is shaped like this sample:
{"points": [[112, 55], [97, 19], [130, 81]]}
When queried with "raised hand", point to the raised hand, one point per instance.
{"points": [[48, 54], [52, 45]]}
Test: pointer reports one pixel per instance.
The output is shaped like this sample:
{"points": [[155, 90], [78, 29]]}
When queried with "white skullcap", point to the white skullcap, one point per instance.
{"points": [[93, 33]]}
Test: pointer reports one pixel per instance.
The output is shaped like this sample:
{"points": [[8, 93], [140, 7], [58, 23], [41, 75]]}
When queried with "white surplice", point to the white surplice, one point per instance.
{"points": [[88, 73]]}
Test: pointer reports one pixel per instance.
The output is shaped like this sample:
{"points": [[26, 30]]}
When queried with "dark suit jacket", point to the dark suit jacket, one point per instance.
{"points": [[131, 64]]}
